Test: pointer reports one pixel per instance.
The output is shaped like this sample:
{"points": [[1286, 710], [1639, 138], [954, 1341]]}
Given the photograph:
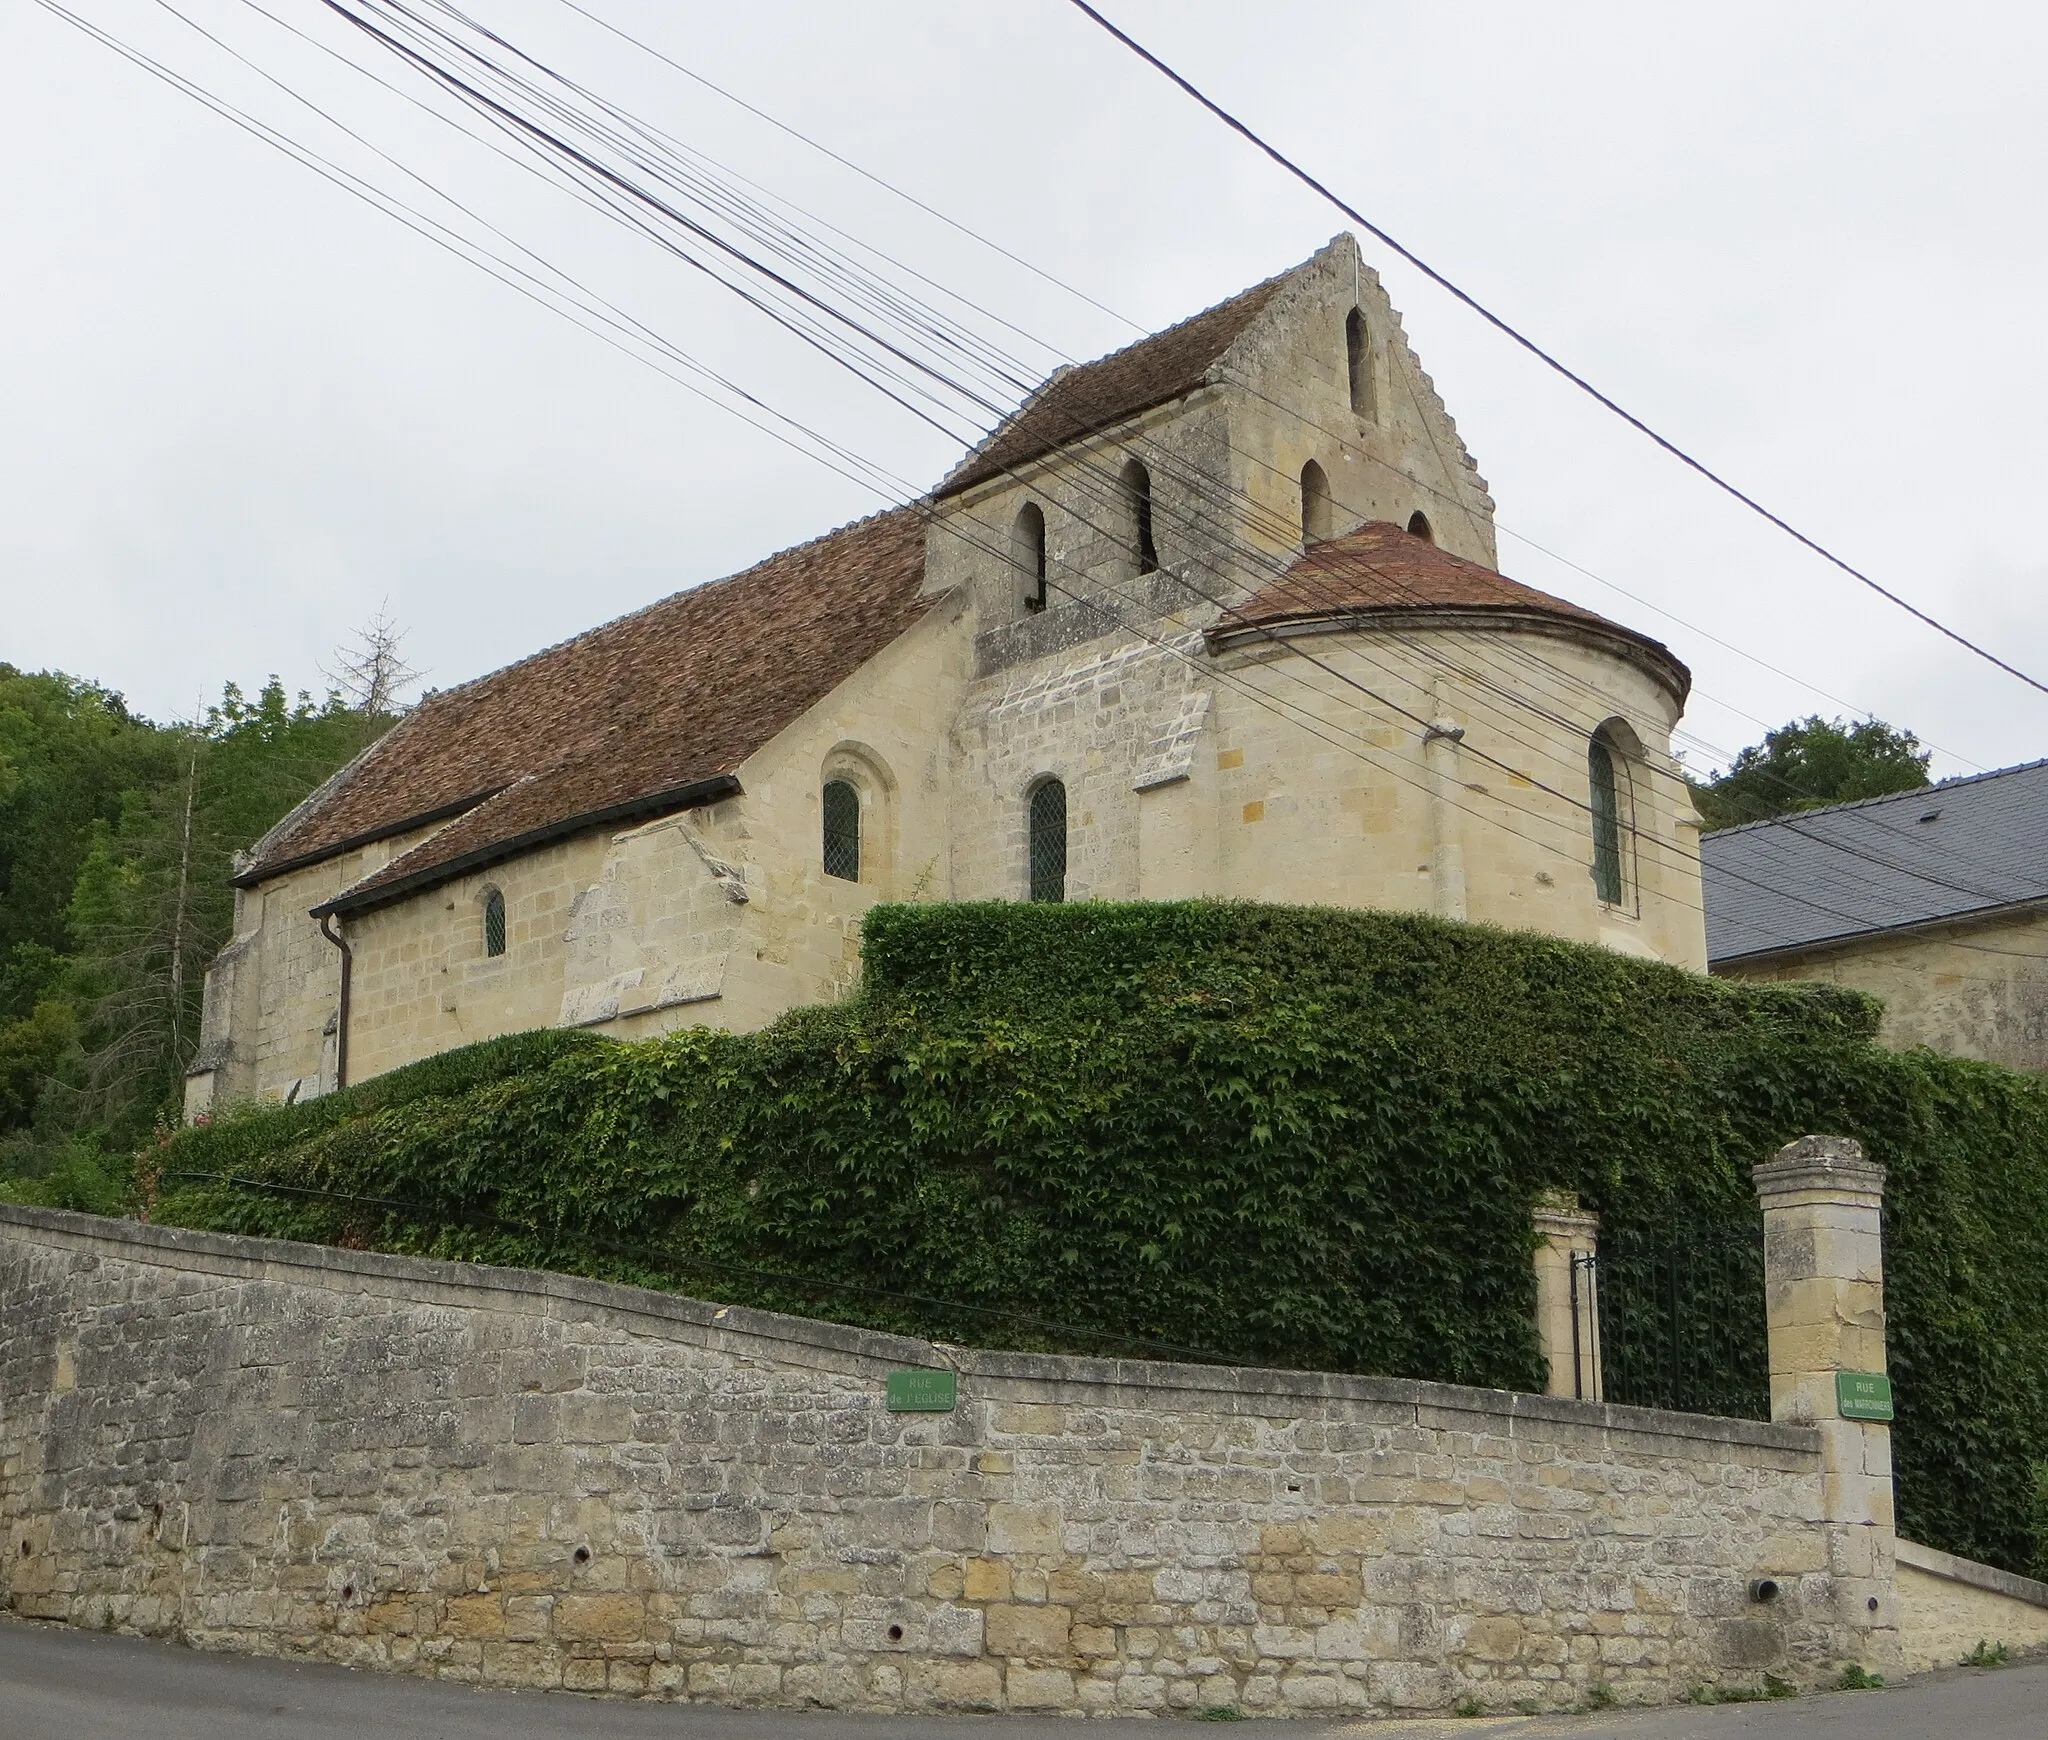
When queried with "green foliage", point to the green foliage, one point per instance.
{"points": [[1772, 1687], [1857, 1678], [2037, 1517], [64, 1173], [69, 750], [1812, 762], [116, 837], [1600, 1696], [33, 1052], [1285, 1136], [1988, 1655]]}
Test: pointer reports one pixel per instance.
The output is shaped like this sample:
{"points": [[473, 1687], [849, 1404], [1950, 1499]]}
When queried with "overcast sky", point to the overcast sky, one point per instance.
{"points": [[239, 410]]}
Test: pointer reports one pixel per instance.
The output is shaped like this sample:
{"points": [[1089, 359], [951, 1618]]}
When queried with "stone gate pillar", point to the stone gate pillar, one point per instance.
{"points": [[1824, 1294], [1567, 1295]]}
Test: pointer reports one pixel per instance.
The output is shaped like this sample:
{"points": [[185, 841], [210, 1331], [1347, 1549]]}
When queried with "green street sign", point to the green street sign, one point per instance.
{"points": [[926, 1392], [1863, 1395]]}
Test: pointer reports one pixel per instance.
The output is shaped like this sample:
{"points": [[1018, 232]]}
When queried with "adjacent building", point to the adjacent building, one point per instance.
{"points": [[1934, 901]]}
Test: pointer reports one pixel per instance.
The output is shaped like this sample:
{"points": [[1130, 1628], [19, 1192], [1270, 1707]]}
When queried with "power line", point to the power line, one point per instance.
{"points": [[1203, 486], [1536, 350], [1543, 751], [918, 204]]}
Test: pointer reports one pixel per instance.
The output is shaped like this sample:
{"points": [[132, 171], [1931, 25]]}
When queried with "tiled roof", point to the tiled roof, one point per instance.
{"points": [[1078, 401], [1965, 846], [1381, 570], [646, 711]]}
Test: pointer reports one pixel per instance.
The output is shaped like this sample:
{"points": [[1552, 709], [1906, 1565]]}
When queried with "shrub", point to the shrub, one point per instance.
{"points": [[1287, 1136]]}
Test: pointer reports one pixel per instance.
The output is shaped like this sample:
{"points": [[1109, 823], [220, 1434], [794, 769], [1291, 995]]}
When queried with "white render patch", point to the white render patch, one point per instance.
{"points": [[1172, 756]]}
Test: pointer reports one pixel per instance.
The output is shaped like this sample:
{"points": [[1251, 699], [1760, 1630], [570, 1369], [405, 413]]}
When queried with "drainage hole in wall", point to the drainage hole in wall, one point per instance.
{"points": [[1291, 1487], [24, 1549], [1764, 1589], [582, 1555], [348, 1591], [895, 1634], [1873, 1604]]}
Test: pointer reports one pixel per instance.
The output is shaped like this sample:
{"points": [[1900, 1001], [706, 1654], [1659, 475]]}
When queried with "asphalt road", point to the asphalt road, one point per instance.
{"points": [[59, 1684]]}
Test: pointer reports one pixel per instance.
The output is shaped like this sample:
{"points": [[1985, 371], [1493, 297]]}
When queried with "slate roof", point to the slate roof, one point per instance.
{"points": [[652, 711], [1380, 569], [1965, 846], [1078, 401]]}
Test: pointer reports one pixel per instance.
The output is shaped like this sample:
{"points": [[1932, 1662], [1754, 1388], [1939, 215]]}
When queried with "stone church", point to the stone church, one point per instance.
{"points": [[1218, 614]]}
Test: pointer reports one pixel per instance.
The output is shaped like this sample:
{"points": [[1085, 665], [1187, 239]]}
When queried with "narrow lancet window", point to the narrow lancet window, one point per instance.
{"points": [[1138, 493], [1317, 510], [1607, 860], [842, 830], [1418, 527], [494, 923], [1358, 356], [1049, 841], [1027, 553]]}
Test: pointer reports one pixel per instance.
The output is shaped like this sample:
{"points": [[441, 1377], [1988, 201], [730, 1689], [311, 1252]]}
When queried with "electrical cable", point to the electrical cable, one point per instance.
{"points": [[1506, 694], [1671, 447], [996, 247], [1381, 699]]}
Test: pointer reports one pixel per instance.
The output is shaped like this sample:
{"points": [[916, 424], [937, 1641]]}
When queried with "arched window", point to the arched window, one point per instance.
{"points": [[1358, 358], [1027, 553], [494, 923], [1418, 527], [1317, 511], [1049, 841], [1138, 491], [1606, 776], [842, 830]]}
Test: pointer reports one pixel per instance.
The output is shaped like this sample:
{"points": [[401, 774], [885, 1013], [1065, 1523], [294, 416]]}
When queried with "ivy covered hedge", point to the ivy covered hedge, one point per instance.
{"points": [[1285, 1135]]}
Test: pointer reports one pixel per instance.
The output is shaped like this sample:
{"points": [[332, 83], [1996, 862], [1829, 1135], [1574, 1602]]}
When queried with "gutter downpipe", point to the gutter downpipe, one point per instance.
{"points": [[348, 961]]}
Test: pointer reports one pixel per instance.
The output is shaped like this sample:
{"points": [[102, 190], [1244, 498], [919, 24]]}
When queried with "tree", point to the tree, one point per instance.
{"points": [[1811, 762], [152, 904], [69, 750], [117, 839], [371, 674]]}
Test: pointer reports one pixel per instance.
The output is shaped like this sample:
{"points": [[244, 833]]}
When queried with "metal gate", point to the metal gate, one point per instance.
{"points": [[1681, 1318]]}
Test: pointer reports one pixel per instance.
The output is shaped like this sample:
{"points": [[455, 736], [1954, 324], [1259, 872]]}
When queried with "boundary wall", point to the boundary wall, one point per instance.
{"points": [[528, 1479]]}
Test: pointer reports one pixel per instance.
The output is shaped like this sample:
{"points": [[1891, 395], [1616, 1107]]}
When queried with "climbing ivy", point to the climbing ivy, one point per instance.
{"points": [[1291, 1136]]}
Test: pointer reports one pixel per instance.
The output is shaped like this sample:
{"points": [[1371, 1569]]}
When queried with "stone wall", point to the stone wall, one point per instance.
{"points": [[532, 1480], [1971, 989], [1948, 1607]]}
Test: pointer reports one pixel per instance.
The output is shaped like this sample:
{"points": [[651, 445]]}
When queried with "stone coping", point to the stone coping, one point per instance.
{"points": [[741, 1330], [1989, 1578]]}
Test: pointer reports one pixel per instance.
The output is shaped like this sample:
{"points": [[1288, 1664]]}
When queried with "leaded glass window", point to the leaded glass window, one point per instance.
{"points": [[842, 830], [494, 923], [1607, 878], [1049, 841]]}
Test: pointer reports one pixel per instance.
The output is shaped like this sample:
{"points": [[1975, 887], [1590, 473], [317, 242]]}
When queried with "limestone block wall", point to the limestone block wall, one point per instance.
{"points": [[272, 993], [884, 731], [1949, 1606], [1355, 812], [422, 982], [531, 1480], [1970, 990], [1288, 388]]}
